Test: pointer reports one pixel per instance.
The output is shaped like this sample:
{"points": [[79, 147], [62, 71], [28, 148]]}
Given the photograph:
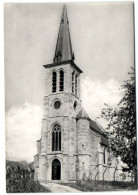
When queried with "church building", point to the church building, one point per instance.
{"points": [[72, 146]]}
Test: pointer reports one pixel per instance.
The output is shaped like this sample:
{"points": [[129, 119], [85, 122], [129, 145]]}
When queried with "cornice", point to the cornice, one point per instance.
{"points": [[64, 63]]}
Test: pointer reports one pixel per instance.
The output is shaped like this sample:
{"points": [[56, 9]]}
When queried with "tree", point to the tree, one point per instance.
{"points": [[121, 126]]}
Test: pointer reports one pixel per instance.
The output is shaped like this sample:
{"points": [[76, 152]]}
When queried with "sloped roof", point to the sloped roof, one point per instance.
{"points": [[95, 127], [104, 140], [63, 50], [82, 114]]}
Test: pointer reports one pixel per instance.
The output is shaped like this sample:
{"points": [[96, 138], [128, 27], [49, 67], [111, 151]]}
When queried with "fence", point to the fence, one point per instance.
{"points": [[108, 173]]}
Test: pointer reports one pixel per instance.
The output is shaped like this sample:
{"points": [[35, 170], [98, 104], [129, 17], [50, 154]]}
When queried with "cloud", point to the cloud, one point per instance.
{"points": [[95, 93], [23, 123], [23, 128]]}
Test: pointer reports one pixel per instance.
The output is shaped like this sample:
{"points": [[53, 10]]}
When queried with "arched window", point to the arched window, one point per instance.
{"points": [[54, 82], [61, 80], [56, 138], [76, 84], [73, 82]]}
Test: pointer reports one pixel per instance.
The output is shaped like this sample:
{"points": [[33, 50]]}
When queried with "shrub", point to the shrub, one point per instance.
{"points": [[24, 185], [20, 179]]}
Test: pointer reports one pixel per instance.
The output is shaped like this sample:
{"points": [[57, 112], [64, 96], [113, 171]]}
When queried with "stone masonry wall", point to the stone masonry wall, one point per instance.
{"points": [[83, 148], [68, 69]]}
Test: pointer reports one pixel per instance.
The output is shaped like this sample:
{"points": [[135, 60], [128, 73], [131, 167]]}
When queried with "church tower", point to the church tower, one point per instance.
{"points": [[56, 157], [72, 146]]}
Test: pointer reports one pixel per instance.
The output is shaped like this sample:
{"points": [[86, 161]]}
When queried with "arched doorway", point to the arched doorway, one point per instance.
{"points": [[56, 169]]}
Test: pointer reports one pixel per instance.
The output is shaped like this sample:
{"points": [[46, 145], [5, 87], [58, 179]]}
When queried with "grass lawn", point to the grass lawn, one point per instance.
{"points": [[89, 186]]}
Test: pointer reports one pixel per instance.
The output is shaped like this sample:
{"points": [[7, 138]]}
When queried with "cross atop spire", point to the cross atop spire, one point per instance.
{"points": [[63, 50]]}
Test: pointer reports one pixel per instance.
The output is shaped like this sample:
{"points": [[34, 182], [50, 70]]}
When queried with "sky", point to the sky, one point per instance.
{"points": [[103, 44]]}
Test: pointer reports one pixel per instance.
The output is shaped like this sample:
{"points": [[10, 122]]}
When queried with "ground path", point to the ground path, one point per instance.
{"points": [[54, 187]]}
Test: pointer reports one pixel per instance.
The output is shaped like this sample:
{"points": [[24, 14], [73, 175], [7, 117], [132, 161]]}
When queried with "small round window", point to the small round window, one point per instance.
{"points": [[57, 104]]}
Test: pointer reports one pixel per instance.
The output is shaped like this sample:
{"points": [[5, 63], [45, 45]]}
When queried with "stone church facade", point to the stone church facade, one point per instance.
{"points": [[72, 146]]}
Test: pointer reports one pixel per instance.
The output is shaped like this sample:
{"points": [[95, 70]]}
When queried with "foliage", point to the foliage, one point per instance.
{"points": [[21, 164], [23, 185], [20, 178], [121, 128]]}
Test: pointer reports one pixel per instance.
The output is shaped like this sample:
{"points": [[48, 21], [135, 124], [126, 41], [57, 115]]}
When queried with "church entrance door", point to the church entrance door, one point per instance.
{"points": [[56, 169]]}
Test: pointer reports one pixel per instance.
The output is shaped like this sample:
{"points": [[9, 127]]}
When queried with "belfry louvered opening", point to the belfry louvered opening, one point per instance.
{"points": [[73, 74], [54, 82], [76, 85], [61, 80]]}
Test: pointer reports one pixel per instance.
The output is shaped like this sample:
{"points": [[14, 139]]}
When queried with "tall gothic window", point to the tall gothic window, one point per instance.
{"points": [[54, 81], [56, 138], [76, 84], [73, 82], [61, 80]]}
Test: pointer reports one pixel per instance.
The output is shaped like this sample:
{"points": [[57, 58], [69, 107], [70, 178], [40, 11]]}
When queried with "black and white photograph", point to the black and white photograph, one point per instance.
{"points": [[70, 97]]}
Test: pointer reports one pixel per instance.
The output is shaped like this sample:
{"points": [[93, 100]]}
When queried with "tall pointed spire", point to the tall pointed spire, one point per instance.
{"points": [[63, 50]]}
